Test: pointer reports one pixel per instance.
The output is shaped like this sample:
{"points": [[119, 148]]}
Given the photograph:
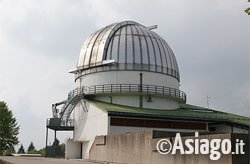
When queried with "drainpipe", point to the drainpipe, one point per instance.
{"points": [[111, 100], [46, 147], [140, 90]]}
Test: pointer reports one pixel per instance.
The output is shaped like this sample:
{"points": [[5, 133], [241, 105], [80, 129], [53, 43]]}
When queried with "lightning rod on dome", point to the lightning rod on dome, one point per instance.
{"points": [[152, 27]]}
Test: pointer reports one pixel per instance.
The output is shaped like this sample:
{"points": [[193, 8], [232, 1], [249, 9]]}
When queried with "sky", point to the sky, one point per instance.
{"points": [[40, 42]]}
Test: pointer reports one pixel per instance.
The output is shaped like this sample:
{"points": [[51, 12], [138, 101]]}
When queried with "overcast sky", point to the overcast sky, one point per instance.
{"points": [[40, 42]]}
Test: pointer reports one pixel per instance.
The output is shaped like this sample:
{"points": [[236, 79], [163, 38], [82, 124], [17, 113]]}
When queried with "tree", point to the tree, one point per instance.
{"points": [[8, 129], [31, 147], [56, 150], [247, 10], [42, 151], [21, 150]]}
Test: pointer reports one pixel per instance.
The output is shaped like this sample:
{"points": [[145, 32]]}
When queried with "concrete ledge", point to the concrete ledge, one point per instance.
{"points": [[5, 162], [140, 148], [27, 155]]}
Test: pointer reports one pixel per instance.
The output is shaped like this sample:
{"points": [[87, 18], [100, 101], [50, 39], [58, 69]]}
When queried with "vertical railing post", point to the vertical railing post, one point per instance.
{"points": [[141, 97], [46, 146]]}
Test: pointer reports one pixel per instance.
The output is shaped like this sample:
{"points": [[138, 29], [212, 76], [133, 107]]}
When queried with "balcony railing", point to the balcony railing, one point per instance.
{"points": [[62, 119], [58, 124], [129, 88]]}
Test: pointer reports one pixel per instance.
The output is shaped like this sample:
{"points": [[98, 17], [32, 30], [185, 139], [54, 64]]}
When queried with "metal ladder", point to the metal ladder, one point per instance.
{"points": [[74, 97]]}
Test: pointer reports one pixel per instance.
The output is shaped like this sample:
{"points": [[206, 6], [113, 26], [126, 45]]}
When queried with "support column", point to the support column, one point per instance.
{"points": [[55, 136], [141, 97], [46, 147]]}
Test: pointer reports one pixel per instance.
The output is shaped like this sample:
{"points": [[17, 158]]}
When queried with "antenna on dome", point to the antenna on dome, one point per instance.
{"points": [[208, 101], [152, 27]]}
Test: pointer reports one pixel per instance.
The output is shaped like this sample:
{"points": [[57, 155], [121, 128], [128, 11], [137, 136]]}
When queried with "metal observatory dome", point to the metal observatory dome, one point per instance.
{"points": [[127, 82], [129, 64], [128, 46], [123, 63]]}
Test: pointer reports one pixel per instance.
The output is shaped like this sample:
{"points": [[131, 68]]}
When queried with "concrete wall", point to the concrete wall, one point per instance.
{"points": [[88, 125], [128, 77], [125, 129], [72, 149], [133, 77], [140, 148], [229, 129], [157, 102], [240, 130]]}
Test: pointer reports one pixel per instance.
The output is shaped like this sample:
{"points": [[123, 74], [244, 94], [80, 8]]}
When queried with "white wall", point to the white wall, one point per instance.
{"points": [[133, 77], [157, 102], [229, 129], [128, 77], [124, 129], [239, 130], [72, 149], [86, 146], [88, 125]]}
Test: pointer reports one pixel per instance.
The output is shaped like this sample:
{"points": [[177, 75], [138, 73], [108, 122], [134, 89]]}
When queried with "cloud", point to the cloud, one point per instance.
{"points": [[41, 40], [38, 26]]}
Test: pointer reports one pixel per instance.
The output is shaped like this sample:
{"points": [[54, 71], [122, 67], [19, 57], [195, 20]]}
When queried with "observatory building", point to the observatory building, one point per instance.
{"points": [[127, 80]]}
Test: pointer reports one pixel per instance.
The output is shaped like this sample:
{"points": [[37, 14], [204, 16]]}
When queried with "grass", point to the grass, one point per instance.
{"points": [[1, 162]]}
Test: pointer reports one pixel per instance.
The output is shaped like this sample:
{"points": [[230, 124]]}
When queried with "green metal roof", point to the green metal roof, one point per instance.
{"points": [[185, 111]]}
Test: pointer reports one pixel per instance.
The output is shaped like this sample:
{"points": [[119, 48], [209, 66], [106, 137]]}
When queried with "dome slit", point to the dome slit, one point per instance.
{"points": [[93, 55], [99, 54], [146, 48], [171, 59], [164, 57], [159, 49], [111, 49], [118, 46], [150, 38], [126, 46], [140, 46], [131, 46]]}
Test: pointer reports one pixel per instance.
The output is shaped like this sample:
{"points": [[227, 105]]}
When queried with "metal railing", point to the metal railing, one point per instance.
{"points": [[56, 122], [78, 91], [128, 67], [137, 88], [76, 95], [128, 88]]}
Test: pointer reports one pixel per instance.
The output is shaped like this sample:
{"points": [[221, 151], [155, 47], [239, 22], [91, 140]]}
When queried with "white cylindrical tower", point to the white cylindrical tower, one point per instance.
{"points": [[127, 63]]}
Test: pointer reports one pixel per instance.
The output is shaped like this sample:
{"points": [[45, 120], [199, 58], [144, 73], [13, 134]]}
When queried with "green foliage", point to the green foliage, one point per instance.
{"points": [[56, 150], [33, 152], [42, 152], [21, 150], [9, 152], [2, 162], [247, 10], [8, 130], [31, 148]]}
